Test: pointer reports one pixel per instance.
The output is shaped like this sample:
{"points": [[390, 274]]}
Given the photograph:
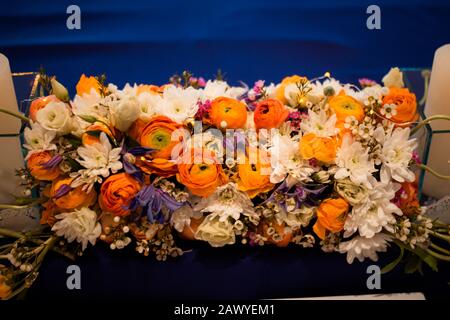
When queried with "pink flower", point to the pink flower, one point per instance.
{"points": [[258, 86]]}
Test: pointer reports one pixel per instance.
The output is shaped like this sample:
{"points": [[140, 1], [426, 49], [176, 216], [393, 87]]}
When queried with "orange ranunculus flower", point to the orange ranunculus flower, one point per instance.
{"points": [[228, 111], [136, 129], [88, 139], [74, 199], [321, 148], [330, 216], [345, 106], [279, 92], [405, 102], [150, 88], [39, 104], [117, 192], [254, 178], [270, 114], [36, 163], [408, 199], [5, 290], [157, 134], [49, 213], [85, 84], [200, 172]]}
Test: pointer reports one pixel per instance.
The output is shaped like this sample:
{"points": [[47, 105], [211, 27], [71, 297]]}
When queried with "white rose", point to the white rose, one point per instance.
{"points": [[125, 113], [394, 78], [217, 233], [55, 116]]}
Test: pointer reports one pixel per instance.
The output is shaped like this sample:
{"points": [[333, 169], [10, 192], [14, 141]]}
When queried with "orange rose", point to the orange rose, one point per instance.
{"points": [[74, 199], [157, 134], [270, 114], [5, 290], [330, 216], [279, 92], [39, 104], [88, 139], [85, 84], [117, 192], [320, 148], [37, 169], [254, 178], [200, 172], [229, 112], [345, 106], [405, 102]]}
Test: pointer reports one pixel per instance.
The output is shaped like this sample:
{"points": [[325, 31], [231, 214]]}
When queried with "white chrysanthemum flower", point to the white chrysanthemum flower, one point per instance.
{"points": [[318, 88], [396, 153], [353, 162], [285, 159], [90, 105], [148, 104], [38, 139], [57, 117], [98, 159], [181, 104], [320, 124], [217, 88], [227, 201], [361, 248], [80, 225], [375, 213]]}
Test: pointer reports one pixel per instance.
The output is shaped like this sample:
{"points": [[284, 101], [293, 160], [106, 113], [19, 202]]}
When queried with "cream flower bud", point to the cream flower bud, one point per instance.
{"points": [[394, 78], [59, 90]]}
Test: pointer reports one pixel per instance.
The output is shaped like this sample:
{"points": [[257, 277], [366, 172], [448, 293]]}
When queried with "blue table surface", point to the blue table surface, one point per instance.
{"points": [[233, 272]]}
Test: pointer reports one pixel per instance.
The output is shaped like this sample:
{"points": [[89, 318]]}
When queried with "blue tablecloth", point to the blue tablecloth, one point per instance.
{"points": [[227, 273]]}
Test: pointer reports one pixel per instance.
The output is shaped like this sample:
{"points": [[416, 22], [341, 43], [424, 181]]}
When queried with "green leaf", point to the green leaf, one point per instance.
{"points": [[94, 133], [389, 267], [88, 118], [74, 164], [413, 264]]}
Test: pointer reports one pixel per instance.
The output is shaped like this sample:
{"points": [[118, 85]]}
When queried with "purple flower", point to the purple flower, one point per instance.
{"points": [[152, 201], [53, 162]]}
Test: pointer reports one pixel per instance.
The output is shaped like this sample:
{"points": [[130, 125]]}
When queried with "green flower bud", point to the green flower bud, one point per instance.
{"points": [[59, 90]]}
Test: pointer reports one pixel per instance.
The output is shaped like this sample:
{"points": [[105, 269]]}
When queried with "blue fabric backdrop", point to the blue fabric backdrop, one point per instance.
{"points": [[147, 41]]}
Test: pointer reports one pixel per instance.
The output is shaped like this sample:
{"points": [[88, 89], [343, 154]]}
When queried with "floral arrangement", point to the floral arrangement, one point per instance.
{"points": [[306, 162]]}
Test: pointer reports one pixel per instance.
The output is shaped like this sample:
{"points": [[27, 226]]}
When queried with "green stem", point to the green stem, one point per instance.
{"points": [[440, 236], [438, 248], [13, 234], [16, 115], [428, 120], [438, 255], [427, 168]]}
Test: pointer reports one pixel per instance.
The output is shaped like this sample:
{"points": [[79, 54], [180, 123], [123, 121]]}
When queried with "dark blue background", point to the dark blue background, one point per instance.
{"points": [[148, 41]]}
